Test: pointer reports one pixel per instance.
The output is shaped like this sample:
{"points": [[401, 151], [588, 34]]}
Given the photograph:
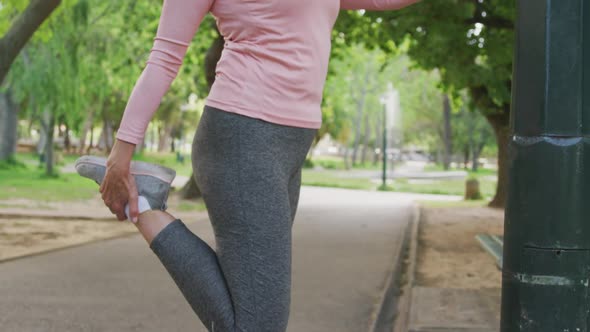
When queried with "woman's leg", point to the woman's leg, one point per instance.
{"points": [[244, 168], [294, 190], [193, 266], [248, 171]]}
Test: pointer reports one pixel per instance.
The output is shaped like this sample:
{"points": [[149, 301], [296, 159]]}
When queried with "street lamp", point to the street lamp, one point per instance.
{"points": [[391, 123], [384, 177]]}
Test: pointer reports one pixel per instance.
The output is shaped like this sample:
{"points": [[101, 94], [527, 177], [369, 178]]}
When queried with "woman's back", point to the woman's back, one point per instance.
{"points": [[275, 59]]}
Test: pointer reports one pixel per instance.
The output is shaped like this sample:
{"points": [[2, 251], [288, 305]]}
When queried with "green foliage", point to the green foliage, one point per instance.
{"points": [[355, 69], [9, 10], [471, 132], [421, 103], [356, 82], [471, 43]]}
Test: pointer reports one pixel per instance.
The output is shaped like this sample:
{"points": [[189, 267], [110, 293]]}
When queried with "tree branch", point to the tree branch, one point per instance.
{"points": [[22, 30]]}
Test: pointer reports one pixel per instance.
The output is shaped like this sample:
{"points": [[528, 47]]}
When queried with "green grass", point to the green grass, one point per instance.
{"points": [[27, 182], [443, 187], [369, 166], [337, 163], [480, 171], [435, 187], [329, 179]]}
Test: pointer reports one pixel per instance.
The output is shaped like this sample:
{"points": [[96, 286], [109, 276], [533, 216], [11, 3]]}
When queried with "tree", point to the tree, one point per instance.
{"points": [[352, 113], [422, 105], [93, 67], [472, 135], [447, 134], [469, 41], [11, 44]]}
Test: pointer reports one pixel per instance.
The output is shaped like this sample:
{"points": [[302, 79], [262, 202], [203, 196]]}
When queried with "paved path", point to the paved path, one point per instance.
{"points": [[344, 244]]}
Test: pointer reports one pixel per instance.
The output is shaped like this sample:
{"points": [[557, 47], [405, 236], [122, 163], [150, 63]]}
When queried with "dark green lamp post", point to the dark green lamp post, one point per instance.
{"points": [[547, 229]]}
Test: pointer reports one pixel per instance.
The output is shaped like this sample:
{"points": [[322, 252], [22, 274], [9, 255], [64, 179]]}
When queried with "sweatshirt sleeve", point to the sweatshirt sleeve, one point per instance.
{"points": [[178, 24], [375, 4]]}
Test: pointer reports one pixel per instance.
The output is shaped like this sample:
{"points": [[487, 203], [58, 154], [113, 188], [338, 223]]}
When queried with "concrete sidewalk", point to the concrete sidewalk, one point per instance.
{"points": [[344, 245], [454, 310]]}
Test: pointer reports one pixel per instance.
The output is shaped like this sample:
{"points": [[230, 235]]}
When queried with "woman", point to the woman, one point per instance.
{"points": [[260, 120]]}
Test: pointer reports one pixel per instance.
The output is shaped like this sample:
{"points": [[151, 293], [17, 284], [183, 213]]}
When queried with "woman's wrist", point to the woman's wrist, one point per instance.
{"points": [[121, 154]]}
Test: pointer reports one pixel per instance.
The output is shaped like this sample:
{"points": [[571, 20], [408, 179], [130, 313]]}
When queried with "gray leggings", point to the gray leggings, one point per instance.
{"points": [[249, 172]]}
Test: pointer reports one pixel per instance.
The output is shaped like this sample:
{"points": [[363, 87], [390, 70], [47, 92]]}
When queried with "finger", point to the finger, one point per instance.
{"points": [[112, 211], [118, 210], [133, 208], [133, 197], [121, 216]]}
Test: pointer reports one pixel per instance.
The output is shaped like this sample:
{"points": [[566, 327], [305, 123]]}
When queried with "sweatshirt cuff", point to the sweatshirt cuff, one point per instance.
{"points": [[128, 138]]}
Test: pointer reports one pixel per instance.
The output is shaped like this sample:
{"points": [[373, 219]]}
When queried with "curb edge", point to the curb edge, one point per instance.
{"points": [[395, 296]]}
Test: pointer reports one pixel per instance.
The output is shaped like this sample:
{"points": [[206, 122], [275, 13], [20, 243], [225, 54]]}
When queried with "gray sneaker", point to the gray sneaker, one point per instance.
{"points": [[153, 181]]}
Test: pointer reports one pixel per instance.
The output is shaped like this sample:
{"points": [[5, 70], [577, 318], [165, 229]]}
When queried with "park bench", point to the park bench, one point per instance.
{"points": [[494, 245]]}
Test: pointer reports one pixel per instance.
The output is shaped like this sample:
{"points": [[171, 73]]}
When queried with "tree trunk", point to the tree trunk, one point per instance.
{"points": [[191, 189], [472, 191], [366, 137], [8, 126], [106, 139], [439, 156], [475, 155], [465, 157], [49, 124], [22, 30], [67, 142], [447, 134], [500, 124], [360, 106], [91, 144], [87, 127], [164, 137], [346, 157], [139, 147]]}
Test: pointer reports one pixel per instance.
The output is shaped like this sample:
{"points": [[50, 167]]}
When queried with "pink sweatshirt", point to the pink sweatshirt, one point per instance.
{"points": [[273, 66]]}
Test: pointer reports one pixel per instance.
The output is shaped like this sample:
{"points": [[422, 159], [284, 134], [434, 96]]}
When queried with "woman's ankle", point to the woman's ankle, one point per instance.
{"points": [[152, 222]]}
